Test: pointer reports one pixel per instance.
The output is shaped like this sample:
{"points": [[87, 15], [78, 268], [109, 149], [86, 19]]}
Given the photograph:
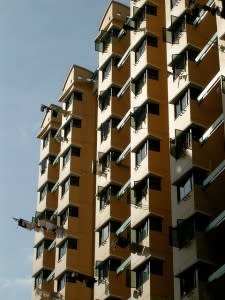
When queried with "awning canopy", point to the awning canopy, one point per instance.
{"points": [[123, 226]]}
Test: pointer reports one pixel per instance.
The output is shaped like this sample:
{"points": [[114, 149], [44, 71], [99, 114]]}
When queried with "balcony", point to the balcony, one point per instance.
{"points": [[53, 147], [50, 173], [113, 173], [49, 201], [45, 261], [114, 106], [117, 209], [70, 261], [115, 139], [72, 196]]}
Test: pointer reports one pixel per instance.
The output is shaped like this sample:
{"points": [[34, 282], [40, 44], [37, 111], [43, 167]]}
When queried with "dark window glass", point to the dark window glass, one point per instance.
{"points": [[151, 10], [103, 234], [142, 274], [155, 223], [153, 108], [139, 83], [77, 95], [140, 154], [154, 145], [106, 70], [156, 266], [139, 51], [152, 41], [70, 211], [76, 123], [178, 64], [67, 130], [153, 74], [142, 231], [54, 114], [155, 183], [181, 103]]}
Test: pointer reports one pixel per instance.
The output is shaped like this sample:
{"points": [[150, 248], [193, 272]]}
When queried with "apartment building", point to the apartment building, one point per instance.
{"points": [[63, 262], [194, 36], [131, 183], [133, 258]]}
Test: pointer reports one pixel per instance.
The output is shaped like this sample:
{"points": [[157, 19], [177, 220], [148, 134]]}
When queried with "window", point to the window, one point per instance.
{"points": [[140, 191], [54, 114], [142, 274], [43, 245], [140, 154], [103, 271], [45, 140], [103, 234], [155, 223], [151, 10], [184, 232], [106, 70], [177, 28], [70, 243], [62, 250], [153, 108], [66, 157], [142, 231], [46, 188], [196, 176], [139, 83], [155, 183], [40, 249], [156, 266], [104, 267], [75, 95], [106, 41], [43, 275], [139, 51], [104, 196], [105, 127], [140, 116], [153, 74], [73, 151], [173, 3], [67, 130], [192, 53], [185, 187], [69, 101], [72, 180], [154, 144], [104, 130], [44, 163], [178, 64], [181, 103], [66, 277], [139, 18], [185, 138], [76, 123], [50, 134], [188, 282], [152, 41], [104, 100], [70, 211], [43, 166]]}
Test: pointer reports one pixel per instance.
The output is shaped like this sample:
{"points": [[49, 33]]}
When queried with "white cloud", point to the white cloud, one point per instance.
{"points": [[15, 282]]}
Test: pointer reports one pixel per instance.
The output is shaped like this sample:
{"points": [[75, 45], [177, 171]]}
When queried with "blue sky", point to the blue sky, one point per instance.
{"points": [[39, 41]]}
